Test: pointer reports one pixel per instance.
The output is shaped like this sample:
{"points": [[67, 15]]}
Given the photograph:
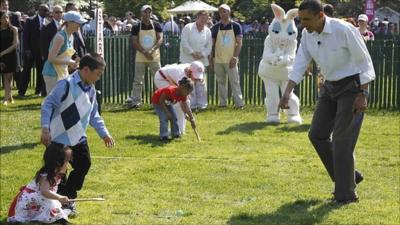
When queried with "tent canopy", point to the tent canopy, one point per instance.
{"points": [[189, 7]]}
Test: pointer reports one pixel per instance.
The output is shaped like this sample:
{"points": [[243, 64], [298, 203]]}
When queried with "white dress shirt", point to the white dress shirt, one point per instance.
{"points": [[193, 40], [339, 50]]}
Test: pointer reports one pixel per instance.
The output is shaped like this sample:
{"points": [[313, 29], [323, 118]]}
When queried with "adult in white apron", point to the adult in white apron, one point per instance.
{"points": [[147, 39], [227, 43]]}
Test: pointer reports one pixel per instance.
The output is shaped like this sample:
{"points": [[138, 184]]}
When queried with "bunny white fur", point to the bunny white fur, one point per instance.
{"points": [[277, 61]]}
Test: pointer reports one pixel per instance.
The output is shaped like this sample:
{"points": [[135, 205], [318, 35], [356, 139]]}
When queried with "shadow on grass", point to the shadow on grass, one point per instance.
{"points": [[298, 128], [299, 212], [116, 108], [4, 221], [247, 128], [150, 139], [25, 107], [10, 148]]}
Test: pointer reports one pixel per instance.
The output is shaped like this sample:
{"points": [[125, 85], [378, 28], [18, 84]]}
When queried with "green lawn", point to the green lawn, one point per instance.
{"points": [[243, 172]]}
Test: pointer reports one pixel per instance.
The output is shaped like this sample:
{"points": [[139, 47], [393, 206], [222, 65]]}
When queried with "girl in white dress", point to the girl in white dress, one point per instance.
{"points": [[38, 201]]}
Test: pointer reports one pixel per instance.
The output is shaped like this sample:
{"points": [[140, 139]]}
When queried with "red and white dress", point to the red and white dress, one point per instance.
{"points": [[31, 205]]}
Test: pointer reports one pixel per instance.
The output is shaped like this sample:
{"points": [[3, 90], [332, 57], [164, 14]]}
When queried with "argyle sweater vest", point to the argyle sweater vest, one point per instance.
{"points": [[69, 123]]}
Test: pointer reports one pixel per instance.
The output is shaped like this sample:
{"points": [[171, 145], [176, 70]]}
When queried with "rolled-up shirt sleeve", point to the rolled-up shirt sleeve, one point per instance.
{"points": [[51, 102], [360, 55], [303, 58]]}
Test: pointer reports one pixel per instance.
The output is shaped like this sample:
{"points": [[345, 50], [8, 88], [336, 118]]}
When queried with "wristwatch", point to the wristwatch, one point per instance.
{"points": [[364, 92]]}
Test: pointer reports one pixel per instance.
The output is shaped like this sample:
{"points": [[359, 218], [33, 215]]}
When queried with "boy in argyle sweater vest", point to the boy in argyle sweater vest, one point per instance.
{"points": [[66, 113]]}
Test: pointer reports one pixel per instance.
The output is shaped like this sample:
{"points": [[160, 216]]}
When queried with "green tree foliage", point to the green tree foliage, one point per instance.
{"points": [[31, 6]]}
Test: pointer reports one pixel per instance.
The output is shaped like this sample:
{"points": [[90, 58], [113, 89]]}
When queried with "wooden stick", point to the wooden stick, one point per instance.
{"points": [[86, 199], [197, 134]]}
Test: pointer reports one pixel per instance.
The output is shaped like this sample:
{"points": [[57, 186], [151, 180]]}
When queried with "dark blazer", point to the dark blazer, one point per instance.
{"points": [[31, 35], [79, 44], [46, 35]]}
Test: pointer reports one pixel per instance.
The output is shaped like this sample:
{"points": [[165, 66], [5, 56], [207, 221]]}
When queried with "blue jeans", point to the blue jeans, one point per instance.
{"points": [[164, 121]]}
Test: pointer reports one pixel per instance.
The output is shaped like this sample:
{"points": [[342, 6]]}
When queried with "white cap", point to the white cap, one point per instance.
{"points": [[74, 16], [197, 69], [225, 6], [146, 7], [363, 17]]}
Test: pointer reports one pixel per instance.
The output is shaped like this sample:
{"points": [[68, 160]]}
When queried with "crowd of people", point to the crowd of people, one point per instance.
{"points": [[66, 75]]}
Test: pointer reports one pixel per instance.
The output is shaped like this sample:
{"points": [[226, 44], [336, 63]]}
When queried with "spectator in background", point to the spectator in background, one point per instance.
{"points": [[113, 24], [79, 42], [391, 29], [50, 30], [32, 55], [8, 54], [171, 26], [328, 10], [264, 24], [146, 39], [363, 28], [381, 31], [61, 51], [129, 19], [196, 44], [15, 19], [254, 28], [227, 44], [187, 19]]}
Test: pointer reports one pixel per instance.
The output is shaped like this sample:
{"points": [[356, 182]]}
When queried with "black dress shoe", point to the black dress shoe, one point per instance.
{"points": [[358, 177]]}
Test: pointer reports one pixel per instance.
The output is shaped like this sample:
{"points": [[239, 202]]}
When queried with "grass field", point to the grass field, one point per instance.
{"points": [[243, 172]]}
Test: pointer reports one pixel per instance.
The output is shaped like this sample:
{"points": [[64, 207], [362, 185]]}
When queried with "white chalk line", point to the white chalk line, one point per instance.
{"points": [[167, 158]]}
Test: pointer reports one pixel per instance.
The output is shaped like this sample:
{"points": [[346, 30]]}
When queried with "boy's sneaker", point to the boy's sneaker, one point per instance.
{"points": [[71, 207]]}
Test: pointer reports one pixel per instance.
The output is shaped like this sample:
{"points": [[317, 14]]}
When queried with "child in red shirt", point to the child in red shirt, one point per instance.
{"points": [[164, 98]]}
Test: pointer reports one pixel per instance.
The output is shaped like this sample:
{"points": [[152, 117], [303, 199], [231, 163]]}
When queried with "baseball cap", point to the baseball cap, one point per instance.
{"points": [[146, 7], [225, 6], [74, 16], [363, 17], [197, 69]]}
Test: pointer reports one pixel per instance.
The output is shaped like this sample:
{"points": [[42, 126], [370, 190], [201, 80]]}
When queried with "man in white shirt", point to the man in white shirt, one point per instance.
{"points": [[196, 44], [338, 48], [171, 26]]}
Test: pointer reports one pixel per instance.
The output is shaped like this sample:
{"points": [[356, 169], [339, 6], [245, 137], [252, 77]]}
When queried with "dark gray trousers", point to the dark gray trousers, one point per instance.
{"points": [[334, 132]]}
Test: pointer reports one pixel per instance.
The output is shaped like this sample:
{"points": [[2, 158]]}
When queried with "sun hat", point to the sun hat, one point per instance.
{"points": [[197, 69]]}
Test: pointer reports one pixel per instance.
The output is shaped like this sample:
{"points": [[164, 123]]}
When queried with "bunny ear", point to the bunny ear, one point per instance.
{"points": [[278, 11], [291, 14]]}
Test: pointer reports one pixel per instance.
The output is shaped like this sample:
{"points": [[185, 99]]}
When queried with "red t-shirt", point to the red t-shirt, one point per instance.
{"points": [[170, 92]]}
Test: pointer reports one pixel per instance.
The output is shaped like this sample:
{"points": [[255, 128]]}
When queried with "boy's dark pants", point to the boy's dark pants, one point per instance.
{"points": [[80, 163], [334, 113]]}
